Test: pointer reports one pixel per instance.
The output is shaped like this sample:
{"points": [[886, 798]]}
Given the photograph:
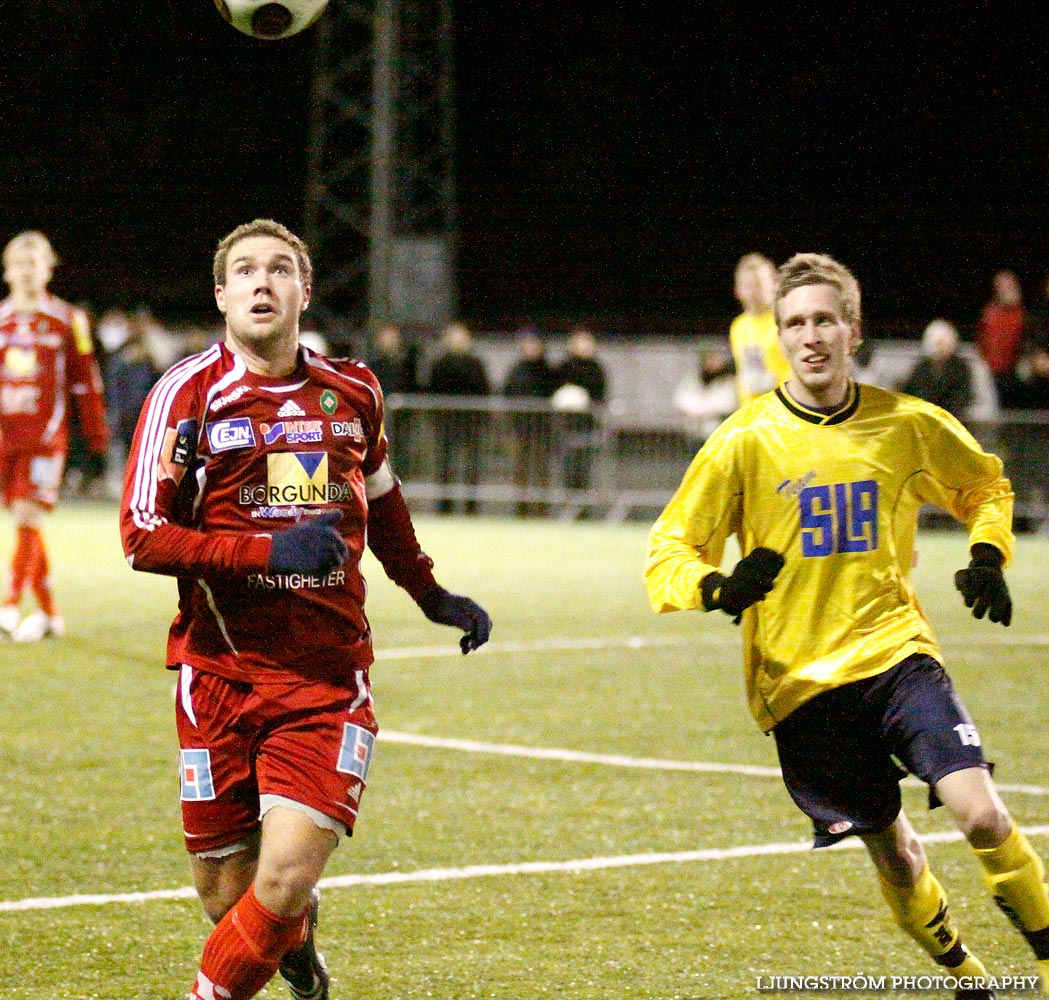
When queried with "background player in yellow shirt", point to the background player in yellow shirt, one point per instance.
{"points": [[821, 481], [760, 364]]}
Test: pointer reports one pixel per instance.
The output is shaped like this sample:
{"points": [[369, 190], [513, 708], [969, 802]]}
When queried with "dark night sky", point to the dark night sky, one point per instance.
{"points": [[613, 161]]}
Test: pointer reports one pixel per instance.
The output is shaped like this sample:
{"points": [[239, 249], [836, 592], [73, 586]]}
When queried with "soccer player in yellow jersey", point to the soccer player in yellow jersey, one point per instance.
{"points": [[760, 364], [821, 482]]}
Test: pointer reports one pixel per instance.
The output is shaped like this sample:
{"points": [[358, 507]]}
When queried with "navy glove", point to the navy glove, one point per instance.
{"points": [[982, 585], [313, 547], [460, 612], [749, 582]]}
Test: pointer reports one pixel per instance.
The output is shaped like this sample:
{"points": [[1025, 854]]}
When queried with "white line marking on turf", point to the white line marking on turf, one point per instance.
{"points": [[615, 760], [622, 861], [552, 645], [698, 638], [481, 871], [577, 756]]}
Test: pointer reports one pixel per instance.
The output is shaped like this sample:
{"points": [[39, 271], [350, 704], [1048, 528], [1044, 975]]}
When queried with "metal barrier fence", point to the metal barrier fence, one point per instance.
{"points": [[523, 457]]}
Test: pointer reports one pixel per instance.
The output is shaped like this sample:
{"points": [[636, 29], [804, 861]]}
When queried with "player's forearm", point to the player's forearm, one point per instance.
{"points": [[391, 537], [987, 511], [172, 550], [673, 573]]}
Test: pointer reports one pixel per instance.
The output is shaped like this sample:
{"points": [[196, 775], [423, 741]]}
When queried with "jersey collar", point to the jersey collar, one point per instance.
{"points": [[842, 413]]}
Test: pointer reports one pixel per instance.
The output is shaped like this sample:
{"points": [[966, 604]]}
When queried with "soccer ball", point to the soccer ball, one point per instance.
{"points": [[262, 19]]}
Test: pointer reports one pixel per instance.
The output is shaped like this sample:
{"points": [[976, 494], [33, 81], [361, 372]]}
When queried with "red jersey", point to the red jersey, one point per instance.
{"points": [[221, 459], [47, 359]]}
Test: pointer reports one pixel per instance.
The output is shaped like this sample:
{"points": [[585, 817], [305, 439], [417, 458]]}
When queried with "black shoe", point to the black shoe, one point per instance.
{"points": [[303, 968]]}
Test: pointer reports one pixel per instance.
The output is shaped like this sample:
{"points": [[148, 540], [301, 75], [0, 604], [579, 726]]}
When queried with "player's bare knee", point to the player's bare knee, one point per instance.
{"points": [[221, 877], [897, 853], [216, 905], [985, 823], [285, 889]]}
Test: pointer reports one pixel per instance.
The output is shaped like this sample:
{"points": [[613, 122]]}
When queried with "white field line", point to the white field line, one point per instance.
{"points": [[482, 871], [615, 760], [576, 756], [699, 638], [551, 645]]}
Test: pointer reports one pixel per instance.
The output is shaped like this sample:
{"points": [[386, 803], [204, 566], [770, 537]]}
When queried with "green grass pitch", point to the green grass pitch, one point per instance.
{"points": [[577, 663]]}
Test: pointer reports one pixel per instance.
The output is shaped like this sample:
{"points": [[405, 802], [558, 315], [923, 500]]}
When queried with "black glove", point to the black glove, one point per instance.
{"points": [[983, 586], [460, 612], [312, 547], [750, 581]]}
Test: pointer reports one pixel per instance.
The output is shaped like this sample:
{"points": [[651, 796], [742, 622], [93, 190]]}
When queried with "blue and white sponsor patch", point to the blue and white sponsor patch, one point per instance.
{"points": [[225, 435], [293, 431], [195, 772], [355, 755]]}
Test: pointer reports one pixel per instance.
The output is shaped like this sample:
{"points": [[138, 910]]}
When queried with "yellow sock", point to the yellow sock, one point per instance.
{"points": [[921, 910], [1016, 877]]}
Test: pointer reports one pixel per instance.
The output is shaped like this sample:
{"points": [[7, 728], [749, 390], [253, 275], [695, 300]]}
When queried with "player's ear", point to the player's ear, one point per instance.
{"points": [[306, 290], [855, 339], [220, 298]]}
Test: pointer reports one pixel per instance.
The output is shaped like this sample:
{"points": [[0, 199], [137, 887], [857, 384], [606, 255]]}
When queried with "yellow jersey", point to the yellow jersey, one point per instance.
{"points": [[760, 363], [838, 494]]}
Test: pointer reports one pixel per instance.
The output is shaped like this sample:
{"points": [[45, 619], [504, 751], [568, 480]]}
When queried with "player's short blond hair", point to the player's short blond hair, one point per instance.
{"points": [[262, 227], [756, 262], [819, 269], [31, 239]]}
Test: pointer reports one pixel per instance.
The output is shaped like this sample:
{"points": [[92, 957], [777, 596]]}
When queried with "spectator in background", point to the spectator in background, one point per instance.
{"points": [[1000, 334], [941, 376], [760, 364], [131, 371], [531, 379], [164, 346], [1033, 391], [458, 373], [581, 385], [112, 330], [395, 364], [707, 395], [1030, 451]]}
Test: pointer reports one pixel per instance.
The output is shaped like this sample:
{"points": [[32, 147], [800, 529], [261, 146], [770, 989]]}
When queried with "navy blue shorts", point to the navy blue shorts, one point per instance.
{"points": [[844, 753]]}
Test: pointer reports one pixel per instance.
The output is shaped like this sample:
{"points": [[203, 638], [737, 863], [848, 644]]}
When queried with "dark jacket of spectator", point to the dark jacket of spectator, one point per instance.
{"points": [[942, 376]]}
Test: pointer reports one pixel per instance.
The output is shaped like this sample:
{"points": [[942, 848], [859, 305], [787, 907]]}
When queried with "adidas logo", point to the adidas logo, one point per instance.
{"points": [[291, 409]]}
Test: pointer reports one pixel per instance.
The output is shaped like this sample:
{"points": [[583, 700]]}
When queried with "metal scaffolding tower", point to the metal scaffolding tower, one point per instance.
{"points": [[380, 204]]}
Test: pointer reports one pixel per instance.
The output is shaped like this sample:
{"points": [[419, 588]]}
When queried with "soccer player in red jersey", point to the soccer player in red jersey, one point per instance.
{"points": [[47, 362], [258, 472]]}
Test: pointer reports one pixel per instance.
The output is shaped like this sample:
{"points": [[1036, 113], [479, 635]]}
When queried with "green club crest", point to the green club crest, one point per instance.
{"points": [[329, 402]]}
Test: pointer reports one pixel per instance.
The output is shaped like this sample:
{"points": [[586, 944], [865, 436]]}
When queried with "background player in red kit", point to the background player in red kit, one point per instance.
{"points": [[46, 362], [257, 472]]}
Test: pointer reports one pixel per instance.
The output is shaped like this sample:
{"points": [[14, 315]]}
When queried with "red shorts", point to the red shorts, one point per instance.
{"points": [[309, 742], [26, 476]]}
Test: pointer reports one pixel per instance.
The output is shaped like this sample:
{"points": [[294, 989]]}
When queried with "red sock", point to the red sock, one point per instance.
{"points": [[21, 561], [39, 571], [244, 950]]}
